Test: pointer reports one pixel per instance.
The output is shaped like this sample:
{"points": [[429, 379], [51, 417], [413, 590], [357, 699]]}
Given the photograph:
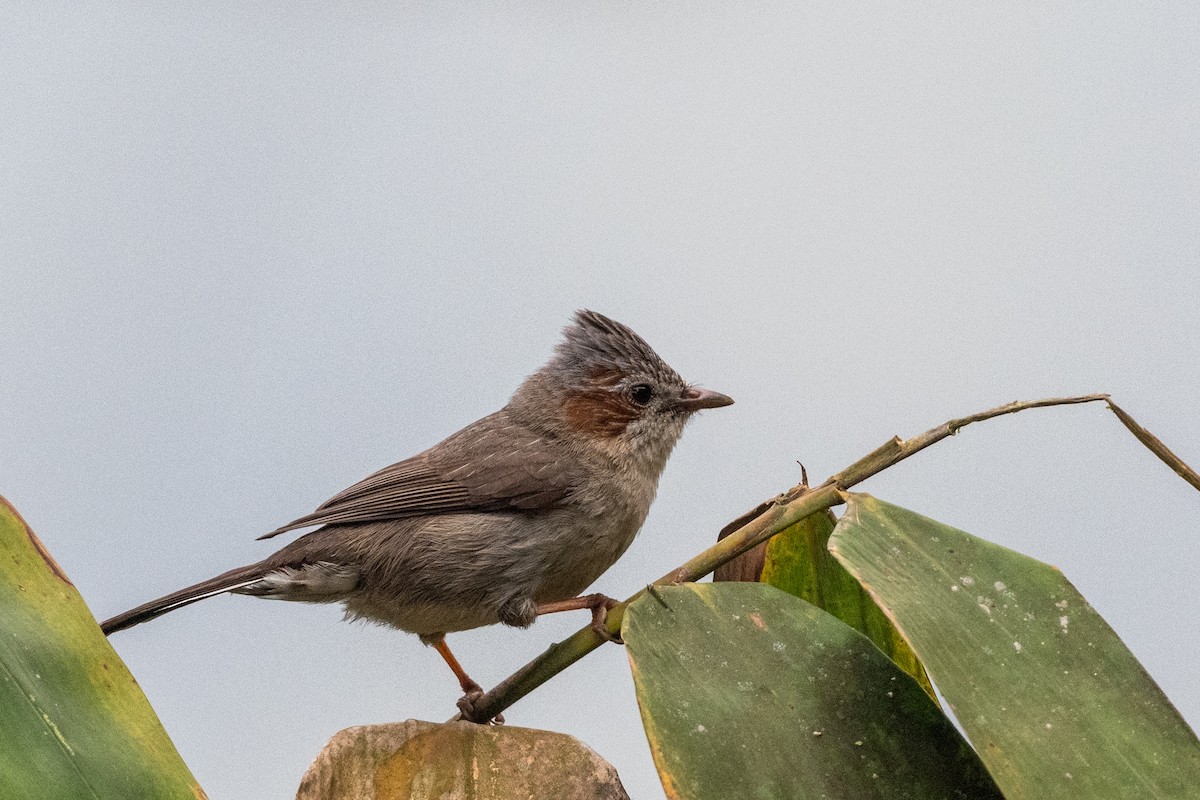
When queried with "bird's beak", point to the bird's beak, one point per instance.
{"points": [[694, 399]]}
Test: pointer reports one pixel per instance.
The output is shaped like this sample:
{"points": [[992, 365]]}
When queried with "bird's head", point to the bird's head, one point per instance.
{"points": [[606, 387]]}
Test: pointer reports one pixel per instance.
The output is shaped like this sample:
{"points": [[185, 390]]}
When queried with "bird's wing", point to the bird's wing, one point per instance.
{"points": [[492, 465]]}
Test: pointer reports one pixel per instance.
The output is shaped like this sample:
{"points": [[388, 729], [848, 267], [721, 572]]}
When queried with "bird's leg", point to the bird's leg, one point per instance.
{"points": [[468, 686], [599, 604], [471, 690]]}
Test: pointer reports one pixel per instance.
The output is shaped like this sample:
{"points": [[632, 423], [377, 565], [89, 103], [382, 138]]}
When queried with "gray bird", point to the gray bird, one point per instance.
{"points": [[509, 518]]}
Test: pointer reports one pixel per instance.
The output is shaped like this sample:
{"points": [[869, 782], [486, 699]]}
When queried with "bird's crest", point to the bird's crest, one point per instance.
{"points": [[595, 349]]}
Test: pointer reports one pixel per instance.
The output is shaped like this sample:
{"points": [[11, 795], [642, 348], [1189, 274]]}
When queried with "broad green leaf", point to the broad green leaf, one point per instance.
{"points": [[748, 692], [73, 722], [1052, 700], [799, 562]]}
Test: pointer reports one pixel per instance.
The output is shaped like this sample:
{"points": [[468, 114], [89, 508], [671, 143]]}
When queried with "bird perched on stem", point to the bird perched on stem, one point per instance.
{"points": [[509, 518]]}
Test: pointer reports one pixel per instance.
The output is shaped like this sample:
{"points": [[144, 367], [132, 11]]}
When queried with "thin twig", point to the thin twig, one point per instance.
{"points": [[1156, 446], [772, 517], [899, 449]]}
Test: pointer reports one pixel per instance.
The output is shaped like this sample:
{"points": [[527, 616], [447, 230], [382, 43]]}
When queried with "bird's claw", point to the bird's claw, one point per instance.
{"points": [[466, 707], [600, 619]]}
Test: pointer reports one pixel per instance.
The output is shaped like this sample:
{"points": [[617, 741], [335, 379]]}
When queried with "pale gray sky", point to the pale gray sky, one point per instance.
{"points": [[252, 252]]}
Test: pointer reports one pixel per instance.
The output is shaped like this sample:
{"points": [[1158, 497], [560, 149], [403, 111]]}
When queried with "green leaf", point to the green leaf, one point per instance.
{"points": [[748, 692], [1052, 700], [73, 722], [799, 562]]}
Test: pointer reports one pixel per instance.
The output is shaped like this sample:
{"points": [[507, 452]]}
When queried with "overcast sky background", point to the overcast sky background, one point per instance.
{"points": [[251, 252]]}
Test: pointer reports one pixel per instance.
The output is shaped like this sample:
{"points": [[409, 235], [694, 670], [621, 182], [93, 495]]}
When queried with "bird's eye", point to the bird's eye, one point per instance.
{"points": [[641, 394]]}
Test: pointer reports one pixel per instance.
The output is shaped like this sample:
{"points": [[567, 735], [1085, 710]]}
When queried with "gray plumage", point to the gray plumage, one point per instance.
{"points": [[526, 506]]}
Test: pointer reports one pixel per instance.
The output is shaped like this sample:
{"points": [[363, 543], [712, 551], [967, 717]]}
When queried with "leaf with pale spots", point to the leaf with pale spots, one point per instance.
{"points": [[1051, 698], [748, 692]]}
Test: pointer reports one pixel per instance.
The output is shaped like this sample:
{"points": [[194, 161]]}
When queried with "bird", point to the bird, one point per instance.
{"points": [[512, 517]]}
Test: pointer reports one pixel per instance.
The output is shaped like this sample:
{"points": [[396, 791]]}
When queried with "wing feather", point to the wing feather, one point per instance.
{"points": [[491, 465]]}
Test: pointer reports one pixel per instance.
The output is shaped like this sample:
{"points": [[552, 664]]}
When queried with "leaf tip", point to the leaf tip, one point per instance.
{"points": [[36, 542]]}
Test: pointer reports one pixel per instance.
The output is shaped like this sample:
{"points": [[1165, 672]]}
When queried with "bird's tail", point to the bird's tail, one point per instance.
{"points": [[234, 579]]}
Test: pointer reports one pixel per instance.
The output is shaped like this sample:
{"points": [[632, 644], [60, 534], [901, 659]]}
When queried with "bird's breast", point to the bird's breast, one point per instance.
{"points": [[581, 547]]}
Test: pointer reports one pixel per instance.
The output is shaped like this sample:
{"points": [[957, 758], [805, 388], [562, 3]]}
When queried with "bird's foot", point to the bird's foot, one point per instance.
{"points": [[604, 604], [466, 707], [600, 605]]}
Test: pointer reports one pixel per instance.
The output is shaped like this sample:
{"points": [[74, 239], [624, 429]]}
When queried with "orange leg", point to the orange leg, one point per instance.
{"points": [[598, 603], [471, 689], [464, 680]]}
